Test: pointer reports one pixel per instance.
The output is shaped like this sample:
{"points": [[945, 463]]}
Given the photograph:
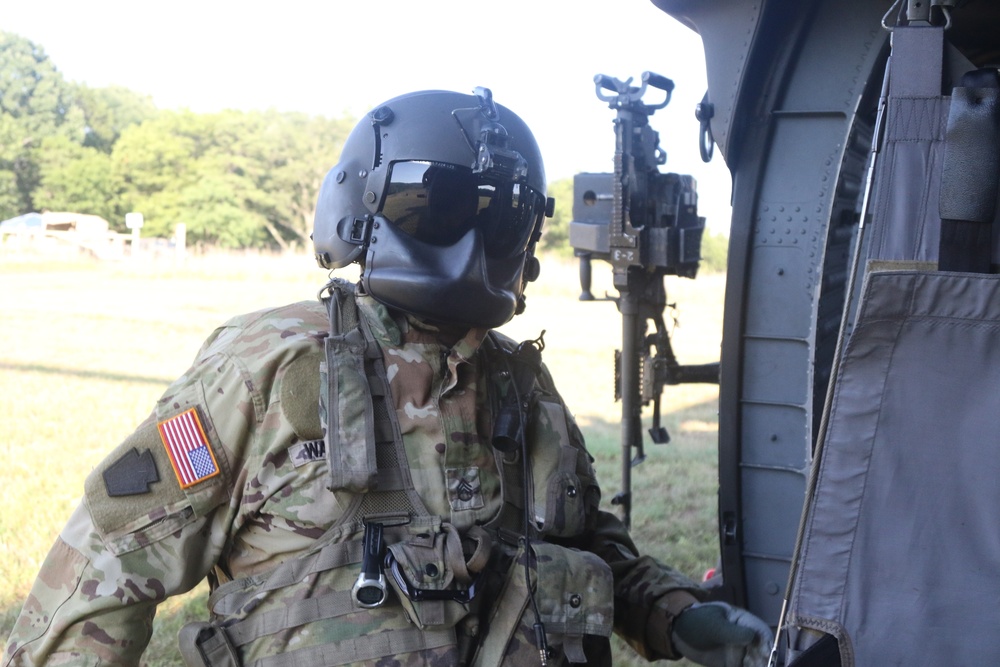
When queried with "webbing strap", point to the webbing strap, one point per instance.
{"points": [[917, 61], [298, 613], [370, 647], [511, 604], [329, 557], [390, 480], [231, 596]]}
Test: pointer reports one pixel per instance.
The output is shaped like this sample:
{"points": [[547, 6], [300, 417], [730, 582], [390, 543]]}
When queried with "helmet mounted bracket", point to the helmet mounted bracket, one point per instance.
{"points": [[356, 230], [489, 140], [383, 115], [494, 157]]}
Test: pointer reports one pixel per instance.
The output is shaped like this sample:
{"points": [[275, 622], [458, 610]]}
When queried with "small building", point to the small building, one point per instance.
{"points": [[83, 224], [53, 230]]}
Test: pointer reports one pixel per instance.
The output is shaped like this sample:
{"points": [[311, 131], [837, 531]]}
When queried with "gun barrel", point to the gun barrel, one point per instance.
{"points": [[697, 373]]}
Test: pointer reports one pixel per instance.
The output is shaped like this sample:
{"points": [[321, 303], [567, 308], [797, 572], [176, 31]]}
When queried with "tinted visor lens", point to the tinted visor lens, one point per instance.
{"points": [[439, 203]]}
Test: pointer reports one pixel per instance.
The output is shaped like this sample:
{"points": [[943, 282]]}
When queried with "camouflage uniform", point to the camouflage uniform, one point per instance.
{"points": [[257, 496]]}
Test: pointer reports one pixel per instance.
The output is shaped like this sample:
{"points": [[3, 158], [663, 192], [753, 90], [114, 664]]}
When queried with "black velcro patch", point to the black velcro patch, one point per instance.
{"points": [[131, 474]]}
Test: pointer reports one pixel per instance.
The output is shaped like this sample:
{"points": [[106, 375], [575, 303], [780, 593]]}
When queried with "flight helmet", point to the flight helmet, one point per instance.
{"points": [[440, 197]]}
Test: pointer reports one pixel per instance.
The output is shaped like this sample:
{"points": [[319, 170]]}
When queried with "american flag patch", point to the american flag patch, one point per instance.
{"points": [[187, 446]]}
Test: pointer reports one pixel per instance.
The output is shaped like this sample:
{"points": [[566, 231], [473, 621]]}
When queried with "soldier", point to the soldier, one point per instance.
{"points": [[377, 476]]}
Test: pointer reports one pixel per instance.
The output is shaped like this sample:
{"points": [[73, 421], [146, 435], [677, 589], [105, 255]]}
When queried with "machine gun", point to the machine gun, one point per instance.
{"points": [[646, 225]]}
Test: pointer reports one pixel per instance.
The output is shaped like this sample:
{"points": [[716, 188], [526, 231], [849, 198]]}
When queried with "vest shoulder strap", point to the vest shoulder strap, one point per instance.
{"points": [[364, 445]]}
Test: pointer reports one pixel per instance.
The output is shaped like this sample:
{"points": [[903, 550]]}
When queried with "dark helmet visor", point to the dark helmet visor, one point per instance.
{"points": [[439, 203]]}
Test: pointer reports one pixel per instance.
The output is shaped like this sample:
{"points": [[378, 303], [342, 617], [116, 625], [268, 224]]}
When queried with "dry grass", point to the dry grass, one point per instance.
{"points": [[86, 348]]}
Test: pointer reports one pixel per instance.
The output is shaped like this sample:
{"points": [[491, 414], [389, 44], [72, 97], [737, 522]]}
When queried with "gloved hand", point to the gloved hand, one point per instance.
{"points": [[716, 634]]}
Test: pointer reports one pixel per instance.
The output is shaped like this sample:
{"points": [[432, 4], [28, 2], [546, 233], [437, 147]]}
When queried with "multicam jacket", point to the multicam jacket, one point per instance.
{"points": [[230, 479]]}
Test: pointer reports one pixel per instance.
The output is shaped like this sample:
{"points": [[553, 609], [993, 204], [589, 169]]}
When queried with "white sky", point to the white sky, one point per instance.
{"points": [[330, 57]]}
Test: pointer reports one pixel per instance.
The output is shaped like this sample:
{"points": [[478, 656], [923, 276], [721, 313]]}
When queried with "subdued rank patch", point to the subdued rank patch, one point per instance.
{"points": [[131, 474], [464, 488], [307, 452], [187, 446]]}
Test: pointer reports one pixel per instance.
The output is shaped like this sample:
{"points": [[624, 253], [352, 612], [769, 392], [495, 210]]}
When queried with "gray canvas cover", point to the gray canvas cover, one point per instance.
{"points": [[902, 540]]}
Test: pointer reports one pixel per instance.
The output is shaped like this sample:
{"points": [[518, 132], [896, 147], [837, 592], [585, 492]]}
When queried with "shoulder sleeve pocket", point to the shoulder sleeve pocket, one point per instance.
{"points": [[169, 472]]}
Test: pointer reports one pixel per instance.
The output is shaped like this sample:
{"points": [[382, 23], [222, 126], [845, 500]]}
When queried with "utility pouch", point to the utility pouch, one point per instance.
{"points": [[429, 575], [346, 408], [566, 493], [205, 645], [347, 405], [574, 594]]}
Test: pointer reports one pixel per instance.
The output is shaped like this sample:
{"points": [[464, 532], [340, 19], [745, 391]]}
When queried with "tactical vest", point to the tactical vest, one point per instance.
{"points": [[389, 579]]}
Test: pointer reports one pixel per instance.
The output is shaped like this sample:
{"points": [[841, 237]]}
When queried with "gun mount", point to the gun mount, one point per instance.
{"points": [[646, 225]]}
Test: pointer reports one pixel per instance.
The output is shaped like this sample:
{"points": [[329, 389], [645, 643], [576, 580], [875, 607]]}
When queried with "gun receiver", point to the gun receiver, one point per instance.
{"points": [[646, 225]]}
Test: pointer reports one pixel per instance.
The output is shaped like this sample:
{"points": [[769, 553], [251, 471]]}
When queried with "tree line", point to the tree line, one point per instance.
{"points": [[236, 179]]}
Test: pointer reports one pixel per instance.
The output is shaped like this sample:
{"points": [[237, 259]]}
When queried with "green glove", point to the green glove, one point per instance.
{"points": [[716, 634]]}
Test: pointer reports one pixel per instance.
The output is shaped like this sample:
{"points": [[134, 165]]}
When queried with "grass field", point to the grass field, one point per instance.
{"points": [[87, 348]]}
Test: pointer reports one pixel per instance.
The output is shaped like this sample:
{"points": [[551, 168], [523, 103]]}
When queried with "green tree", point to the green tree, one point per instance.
{"points": [[555, 234], [213, 211], [35, 102], [299, 150], [235, 178], [10, 196], [108, 111], [714, 252], [77, 178], [153, 162]]}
